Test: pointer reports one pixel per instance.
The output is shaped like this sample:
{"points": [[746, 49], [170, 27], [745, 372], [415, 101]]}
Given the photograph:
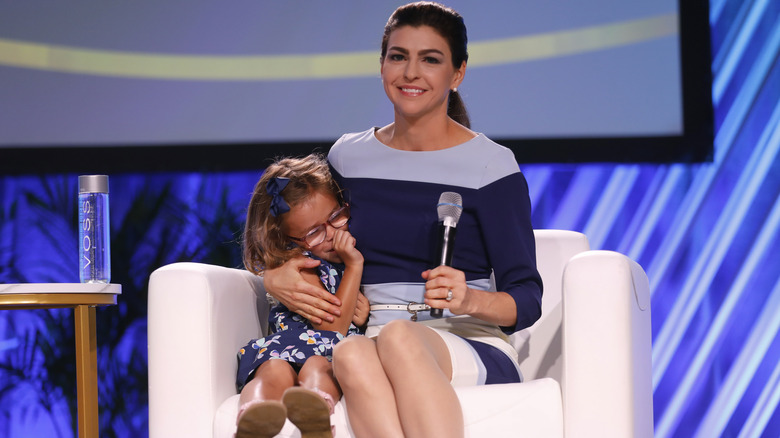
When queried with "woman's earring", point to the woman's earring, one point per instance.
{"points": [[455, 90]]}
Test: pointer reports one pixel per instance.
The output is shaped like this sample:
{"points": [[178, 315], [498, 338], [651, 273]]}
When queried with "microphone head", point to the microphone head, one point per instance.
{"points": [[450, 206]]}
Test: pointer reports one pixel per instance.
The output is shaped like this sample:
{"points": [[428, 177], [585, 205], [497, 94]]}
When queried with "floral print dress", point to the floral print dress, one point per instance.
{"points": [[292, 337]]}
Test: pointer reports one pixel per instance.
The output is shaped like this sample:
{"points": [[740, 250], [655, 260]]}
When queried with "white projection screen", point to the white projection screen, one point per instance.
{"points": [[193, 84]]}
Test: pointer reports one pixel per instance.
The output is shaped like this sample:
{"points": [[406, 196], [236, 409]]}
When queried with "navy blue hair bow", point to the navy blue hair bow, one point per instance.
{"points": [[274, 188]]}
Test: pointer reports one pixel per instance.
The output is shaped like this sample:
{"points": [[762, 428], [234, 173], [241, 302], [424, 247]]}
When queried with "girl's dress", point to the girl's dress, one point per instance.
{"points": [[292, 337]]}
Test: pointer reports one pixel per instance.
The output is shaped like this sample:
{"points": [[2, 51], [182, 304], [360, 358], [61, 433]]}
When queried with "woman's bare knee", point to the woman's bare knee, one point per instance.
{"points": [[351, 351], [407, 345], [351, 355], [398, 338]]}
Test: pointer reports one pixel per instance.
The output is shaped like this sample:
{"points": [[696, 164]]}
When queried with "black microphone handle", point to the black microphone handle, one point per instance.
{"points": [[444, 254]]}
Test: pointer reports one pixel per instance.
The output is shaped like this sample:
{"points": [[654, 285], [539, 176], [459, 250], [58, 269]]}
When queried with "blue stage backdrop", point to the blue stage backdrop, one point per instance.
{"points": [[707, 235]]}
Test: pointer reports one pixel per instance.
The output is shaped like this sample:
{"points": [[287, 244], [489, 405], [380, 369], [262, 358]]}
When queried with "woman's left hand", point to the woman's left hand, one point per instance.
{"points": [[445, 288]]}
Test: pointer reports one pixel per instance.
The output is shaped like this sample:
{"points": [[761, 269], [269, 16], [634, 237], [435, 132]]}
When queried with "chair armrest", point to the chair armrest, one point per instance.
{"points": [[607, 377], [539, 346], [199, 316]]}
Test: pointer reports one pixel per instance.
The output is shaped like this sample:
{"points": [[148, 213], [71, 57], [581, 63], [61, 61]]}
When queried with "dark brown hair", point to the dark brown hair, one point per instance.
{"points": [[447, 23], [265, 245]]}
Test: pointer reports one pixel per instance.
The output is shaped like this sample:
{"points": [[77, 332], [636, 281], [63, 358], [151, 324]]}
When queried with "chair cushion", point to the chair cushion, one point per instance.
{"points": [[533, 407]]}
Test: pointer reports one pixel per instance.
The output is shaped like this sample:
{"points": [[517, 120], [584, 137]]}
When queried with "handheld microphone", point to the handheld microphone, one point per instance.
{"points": [[449, 208]]}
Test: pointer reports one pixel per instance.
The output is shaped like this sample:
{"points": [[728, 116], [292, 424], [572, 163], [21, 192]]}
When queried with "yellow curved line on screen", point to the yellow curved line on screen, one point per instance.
{"points": [[320, 66]]}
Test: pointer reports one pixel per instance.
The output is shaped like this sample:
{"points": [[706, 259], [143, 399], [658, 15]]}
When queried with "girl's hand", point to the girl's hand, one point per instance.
{"points": [[349, 288], [344, 245], [361, 311], [287, 285], [439, 282]]}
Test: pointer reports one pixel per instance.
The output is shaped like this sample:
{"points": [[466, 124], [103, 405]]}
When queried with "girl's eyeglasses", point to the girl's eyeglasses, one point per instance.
{"points": [[338, 219]]}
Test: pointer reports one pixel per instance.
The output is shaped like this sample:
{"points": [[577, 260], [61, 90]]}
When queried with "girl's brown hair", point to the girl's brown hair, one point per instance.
{"points": [[265, 245]]}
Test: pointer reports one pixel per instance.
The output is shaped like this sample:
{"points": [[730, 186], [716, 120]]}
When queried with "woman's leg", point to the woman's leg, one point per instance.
{"points": [[418, 366], [368, 394], [270, 381]]}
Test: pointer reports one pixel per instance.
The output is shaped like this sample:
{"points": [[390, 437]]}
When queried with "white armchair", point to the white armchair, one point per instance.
{"points": [[586, 362]]}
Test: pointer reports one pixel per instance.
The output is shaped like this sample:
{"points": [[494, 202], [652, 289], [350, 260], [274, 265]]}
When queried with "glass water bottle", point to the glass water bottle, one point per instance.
{"points": [[94, 243]]}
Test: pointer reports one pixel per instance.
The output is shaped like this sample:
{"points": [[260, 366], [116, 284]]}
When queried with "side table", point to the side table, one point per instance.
{"points": [[82, 297]]}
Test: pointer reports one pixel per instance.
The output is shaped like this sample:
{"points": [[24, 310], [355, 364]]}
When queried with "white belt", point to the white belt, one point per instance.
{"points": [[412, 308]]}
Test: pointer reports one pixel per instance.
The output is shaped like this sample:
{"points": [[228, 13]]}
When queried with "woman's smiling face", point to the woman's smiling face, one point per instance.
{"points": [[417, 72]]}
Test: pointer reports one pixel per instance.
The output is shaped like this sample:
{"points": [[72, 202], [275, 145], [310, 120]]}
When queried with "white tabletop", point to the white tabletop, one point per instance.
{"points": [[64, 288]]}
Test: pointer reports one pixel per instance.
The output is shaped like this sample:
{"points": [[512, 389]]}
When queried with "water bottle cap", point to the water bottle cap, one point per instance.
{"points": [[93, 183]]}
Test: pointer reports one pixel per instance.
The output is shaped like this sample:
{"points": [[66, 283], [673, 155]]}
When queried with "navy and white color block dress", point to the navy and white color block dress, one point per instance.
{"points": [[393, 196]]}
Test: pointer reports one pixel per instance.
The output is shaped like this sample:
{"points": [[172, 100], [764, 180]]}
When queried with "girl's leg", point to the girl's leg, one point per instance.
{"points": [[261, 414], [310, 406], [368, 393], [270, 381], [419, 368], [317, 375]]}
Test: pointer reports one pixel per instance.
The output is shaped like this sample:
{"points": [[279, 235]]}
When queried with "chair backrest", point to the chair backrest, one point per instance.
{"points": [[539, 346]]}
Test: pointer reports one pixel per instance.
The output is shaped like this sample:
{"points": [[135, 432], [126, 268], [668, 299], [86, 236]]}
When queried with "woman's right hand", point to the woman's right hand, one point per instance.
{"points": [[287, 285]]}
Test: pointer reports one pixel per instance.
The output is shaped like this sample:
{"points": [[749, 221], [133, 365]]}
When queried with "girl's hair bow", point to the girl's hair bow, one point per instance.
{"points": [[274, 188]]}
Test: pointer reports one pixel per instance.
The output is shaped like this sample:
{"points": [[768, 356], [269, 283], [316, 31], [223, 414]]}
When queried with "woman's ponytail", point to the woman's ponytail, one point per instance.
{"points": [[456, 109]]}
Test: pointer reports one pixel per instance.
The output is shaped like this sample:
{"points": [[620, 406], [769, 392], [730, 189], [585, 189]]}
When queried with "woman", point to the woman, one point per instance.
{"points": [[399, 381]]}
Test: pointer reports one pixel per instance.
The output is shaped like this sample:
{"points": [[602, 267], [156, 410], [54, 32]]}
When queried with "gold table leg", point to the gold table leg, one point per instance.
{"points": [[86, 371]]}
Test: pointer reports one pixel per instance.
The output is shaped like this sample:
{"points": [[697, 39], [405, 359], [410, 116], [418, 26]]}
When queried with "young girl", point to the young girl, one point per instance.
{"points": [[296, 211]]}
